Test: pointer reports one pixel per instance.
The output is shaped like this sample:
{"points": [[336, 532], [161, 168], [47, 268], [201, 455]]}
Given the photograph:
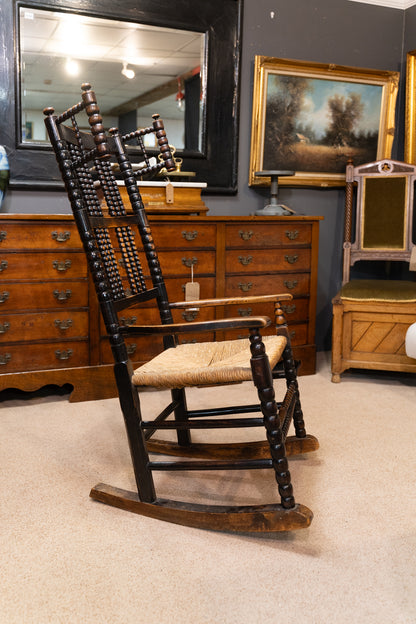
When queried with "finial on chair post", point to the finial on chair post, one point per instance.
{"points": [[95, 120], [163, 142]]}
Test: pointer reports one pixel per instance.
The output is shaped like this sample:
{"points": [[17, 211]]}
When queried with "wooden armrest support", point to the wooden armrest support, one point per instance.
{"points": [[202, 303], [198, 326]]}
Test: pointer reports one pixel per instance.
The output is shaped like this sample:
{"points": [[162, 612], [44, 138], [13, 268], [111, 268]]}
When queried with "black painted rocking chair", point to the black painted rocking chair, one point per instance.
{"points": [[117, 240]]}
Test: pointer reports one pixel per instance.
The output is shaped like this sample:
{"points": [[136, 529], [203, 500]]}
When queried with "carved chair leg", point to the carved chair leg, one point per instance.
{"points": [[263, 380]]}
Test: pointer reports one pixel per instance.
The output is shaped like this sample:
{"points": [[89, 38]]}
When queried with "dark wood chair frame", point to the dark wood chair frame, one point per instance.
{"points": [[90, 181]]}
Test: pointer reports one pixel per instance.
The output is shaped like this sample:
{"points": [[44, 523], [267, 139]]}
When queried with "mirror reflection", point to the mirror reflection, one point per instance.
{"points": [[135, 69]]}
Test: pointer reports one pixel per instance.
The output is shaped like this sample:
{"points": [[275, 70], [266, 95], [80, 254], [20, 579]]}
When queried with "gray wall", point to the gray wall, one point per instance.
{"points": [[325, 31]]}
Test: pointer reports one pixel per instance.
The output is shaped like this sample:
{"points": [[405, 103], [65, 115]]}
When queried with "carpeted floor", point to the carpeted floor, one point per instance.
{"points": [[66, 559]]}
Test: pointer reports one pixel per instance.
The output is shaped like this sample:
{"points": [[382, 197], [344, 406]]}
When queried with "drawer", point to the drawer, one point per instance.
{"points": [[184, 236], [143, 348], [37, 296], [298, 333], [176, 288], [18, 235], [268, 260], [180, 262], [150, 316], [139, 348], [296, 284], [43, 325], [295, 310], [44, 356], [42, 266], [261, 235]]}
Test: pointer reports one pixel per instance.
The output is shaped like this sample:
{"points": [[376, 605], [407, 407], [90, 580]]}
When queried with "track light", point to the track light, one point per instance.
{"points": [[72, 67], [128, 73]]}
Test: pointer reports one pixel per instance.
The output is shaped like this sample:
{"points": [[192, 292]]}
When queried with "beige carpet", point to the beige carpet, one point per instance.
{"points": [[66, 559]]}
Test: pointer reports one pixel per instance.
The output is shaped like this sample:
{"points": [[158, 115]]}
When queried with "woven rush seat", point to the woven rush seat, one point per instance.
{"points": [[205, 363], [379, 290]]}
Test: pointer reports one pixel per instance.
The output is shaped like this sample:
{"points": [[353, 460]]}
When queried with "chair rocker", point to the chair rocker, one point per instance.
{"points": [[126, 272]]}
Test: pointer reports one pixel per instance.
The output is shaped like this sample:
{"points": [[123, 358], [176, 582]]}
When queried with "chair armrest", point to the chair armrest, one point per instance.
{"points": [[198, 326], [203, 303]]}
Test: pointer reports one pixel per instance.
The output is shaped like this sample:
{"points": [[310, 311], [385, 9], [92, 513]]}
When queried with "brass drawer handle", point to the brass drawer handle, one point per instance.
{"points": [[190, 315], [245, 287], [188, 262], [64, 325], [3, 235], [5, 359], [61, 265], [246, 235], [190, 236], [61, 237], [245, 260], [3, 265], [66, 354], [4, 327], [289, 309], [194, 341], [131, 348], [126, 322], [292, 334], [62, 295], [292, 234], [244, 311], [291, 259], [290, 284], [4, 296]]}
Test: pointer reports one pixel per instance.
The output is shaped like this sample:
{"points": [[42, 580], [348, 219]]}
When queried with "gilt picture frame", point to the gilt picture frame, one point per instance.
{"points": [[410, 111], [312, 118]]}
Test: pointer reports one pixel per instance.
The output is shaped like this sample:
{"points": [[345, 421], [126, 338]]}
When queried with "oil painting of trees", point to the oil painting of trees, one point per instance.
{"points": [[316, 125]]}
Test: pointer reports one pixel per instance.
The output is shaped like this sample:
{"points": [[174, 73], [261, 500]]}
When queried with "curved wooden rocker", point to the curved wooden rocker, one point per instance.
{"points": [[254, 518]]}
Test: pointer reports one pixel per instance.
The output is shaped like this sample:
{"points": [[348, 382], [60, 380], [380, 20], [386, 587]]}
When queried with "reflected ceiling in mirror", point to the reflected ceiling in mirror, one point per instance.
{"points": [[136, 70]]}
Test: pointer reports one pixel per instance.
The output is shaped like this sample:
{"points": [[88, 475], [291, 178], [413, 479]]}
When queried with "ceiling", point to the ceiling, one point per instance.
{"points": [[158, 57], [394, 4]]}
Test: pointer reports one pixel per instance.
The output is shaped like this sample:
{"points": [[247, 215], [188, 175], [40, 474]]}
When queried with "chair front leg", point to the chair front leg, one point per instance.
{"points": [[263, 380]]}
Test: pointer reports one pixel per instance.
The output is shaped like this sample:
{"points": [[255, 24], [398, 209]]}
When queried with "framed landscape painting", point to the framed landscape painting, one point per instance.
{"points": [[312, 118], [410, 133]]}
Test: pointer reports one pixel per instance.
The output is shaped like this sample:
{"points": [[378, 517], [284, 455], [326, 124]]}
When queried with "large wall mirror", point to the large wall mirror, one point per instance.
{"points": [[179, 59]]}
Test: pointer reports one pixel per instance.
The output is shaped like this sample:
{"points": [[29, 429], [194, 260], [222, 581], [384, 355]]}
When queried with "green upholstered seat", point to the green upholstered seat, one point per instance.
{"points": [[379, 290]]}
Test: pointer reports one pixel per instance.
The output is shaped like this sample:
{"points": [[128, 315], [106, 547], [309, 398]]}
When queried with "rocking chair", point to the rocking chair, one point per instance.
{"points": [[118, 243]]}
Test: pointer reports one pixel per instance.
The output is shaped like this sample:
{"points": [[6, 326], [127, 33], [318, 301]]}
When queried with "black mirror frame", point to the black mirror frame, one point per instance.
{"points": [[34, 166]]}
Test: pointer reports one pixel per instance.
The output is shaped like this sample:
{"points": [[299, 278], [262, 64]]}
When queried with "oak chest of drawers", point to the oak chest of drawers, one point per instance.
{"points": [[50, 326]]}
